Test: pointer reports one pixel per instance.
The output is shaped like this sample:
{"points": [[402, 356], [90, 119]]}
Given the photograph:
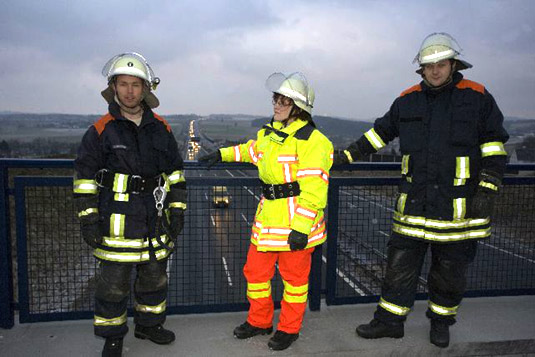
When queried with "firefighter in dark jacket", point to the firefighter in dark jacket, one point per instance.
{"points": [[452, 141], [130, 194]]}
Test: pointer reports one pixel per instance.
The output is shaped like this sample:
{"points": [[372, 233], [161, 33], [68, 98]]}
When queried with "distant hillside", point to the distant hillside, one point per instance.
{"points": [[340, 131], [519, 127]]}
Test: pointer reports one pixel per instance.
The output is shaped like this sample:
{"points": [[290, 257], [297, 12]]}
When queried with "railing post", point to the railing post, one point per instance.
{"points": [[332, 239], [7, 318], [314, 292]]}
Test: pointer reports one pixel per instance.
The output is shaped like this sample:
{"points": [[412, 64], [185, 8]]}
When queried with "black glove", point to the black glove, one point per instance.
{"points": [[297, 240], [211, 159], [176, 221], [340, 158], [483, 202], [90, 228]]}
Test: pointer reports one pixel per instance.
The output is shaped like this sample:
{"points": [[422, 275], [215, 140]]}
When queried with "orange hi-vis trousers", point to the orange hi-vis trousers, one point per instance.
{"points": [[294, 268]]}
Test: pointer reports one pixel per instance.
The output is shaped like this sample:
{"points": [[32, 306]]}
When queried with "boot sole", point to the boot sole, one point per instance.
{"points": [[280, 348], [441, 345], [262, 332], [372, 337], [142, 336]]}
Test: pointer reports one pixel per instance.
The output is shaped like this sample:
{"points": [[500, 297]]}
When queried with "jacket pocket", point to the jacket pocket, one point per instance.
{"points": [[160, 144], [463, 128], [411, 131]]}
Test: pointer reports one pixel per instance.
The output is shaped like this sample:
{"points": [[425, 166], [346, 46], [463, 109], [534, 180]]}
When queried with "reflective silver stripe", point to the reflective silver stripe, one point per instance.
{"points": [[374, 139], [462, 167], [401, 202], [85, 186], [87, 212], [102, 321], [492, 148], [177, 205], [459, 208], [436, 224], [120, 182], [121, 197], [176, 176], [131, 257], [117, 225], [121, 242], [348, 154], [442, 310], [405, 164], [459, 182], [156, 309], [441, 237], [395, 309], [488, 185]]}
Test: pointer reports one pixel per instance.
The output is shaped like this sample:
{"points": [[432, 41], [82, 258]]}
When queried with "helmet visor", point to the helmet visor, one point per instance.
{"points": [[436, 47], [108, 69], [294, 86]]}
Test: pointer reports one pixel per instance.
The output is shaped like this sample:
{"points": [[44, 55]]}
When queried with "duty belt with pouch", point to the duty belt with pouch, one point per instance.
{"points": [[284, 190], [135, 184]]}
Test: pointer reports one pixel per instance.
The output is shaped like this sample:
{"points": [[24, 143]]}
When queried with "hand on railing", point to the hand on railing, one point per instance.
{"points": [[211, 159]]}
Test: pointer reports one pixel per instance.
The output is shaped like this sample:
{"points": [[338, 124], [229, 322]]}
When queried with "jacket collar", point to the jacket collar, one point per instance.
{"points": [[148, 115], [278, 134], [456, 78]]}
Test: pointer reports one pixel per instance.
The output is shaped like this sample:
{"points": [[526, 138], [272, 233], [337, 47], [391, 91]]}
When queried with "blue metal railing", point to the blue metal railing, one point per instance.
{"points": [[8, 305]]}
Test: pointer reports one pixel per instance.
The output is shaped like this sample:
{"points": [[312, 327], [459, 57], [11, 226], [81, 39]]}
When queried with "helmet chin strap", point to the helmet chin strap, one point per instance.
{"points": [[135, 111], [290, 116], [132, 111]]}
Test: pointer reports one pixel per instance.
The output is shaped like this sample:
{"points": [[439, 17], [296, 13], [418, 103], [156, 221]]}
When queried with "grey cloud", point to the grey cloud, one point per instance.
{"points": [[213, 56]]}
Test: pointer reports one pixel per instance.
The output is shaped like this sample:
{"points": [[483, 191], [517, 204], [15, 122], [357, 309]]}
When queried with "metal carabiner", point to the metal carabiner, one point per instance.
{"points": [[159, 194]]}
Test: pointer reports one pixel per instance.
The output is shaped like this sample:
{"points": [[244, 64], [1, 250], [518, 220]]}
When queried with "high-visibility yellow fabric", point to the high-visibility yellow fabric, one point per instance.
{"points": [[281, 160]]}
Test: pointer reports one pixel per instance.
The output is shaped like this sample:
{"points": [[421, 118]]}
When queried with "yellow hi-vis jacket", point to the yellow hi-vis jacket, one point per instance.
{"points": [[285, 155]]}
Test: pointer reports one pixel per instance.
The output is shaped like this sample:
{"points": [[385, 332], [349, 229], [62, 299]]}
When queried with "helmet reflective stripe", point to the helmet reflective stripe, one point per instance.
{"points": [[294, 86], [437, 47], [130, 63], [437, 56], [290, 93], [129, 66]]}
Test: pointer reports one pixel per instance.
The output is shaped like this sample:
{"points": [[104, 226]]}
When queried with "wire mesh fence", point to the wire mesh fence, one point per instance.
{"points": [[55, 270], [504, 265]]}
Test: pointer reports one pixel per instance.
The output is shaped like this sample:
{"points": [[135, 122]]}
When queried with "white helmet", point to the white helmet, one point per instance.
{"points": [[294, 86], [439, 46], [132, 64]]}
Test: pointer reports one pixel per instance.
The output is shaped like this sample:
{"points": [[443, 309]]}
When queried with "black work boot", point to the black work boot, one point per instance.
{"points": [[156, 334], [282, 340], [378, 329], [113, 347], [247, 330], [440, 333]]}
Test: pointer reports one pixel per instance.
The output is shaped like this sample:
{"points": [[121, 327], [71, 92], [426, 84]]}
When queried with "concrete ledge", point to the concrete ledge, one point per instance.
{"points": [[497, 326]]}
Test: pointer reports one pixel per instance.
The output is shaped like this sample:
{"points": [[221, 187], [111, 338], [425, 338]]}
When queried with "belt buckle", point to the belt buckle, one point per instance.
{"points": [[136, 188]]}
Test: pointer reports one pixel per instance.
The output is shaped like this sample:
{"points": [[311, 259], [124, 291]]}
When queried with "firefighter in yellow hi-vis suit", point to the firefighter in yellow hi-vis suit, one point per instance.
{"points": [[293, 160]]}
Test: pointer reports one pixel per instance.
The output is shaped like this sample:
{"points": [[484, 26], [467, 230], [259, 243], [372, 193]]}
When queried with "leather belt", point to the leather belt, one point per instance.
{"points": [[284, 190], [135, 184]]}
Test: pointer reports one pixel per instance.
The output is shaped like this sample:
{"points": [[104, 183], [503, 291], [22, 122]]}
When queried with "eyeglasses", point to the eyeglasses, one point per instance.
{"points": [[282, 102]]}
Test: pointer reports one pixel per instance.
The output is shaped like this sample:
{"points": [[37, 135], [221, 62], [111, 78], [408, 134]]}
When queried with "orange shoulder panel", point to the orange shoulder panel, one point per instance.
{"points": [[167, 126], [101, 123], [414, 88], [465, 83]]}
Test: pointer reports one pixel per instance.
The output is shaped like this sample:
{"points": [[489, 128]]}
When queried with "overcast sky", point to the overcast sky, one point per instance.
{"points": [[214, 56]]}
